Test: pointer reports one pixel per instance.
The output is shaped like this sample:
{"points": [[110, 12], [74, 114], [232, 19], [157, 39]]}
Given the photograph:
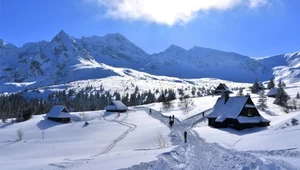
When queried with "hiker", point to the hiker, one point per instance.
{"points": [[202, 114], [171, 123], [185, 135], [173, 117], [170, 118], [149, 111]]}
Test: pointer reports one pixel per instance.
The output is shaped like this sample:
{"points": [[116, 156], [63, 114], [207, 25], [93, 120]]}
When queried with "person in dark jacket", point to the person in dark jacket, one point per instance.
{"points": [[185, 136]]}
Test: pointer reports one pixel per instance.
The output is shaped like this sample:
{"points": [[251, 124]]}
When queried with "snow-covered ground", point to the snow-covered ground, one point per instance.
{"points": [[128, 141]]}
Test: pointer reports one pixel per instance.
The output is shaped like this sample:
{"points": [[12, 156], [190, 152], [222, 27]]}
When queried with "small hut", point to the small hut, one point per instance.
{"points": [[116, 106], [60, 114]]}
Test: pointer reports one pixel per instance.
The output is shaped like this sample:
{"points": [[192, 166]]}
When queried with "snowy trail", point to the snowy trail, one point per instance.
{"points": [[71, 163], [131, 128], [197, 154]]}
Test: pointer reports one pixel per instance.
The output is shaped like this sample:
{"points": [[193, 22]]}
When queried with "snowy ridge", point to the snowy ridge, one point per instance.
{"points": [[66, 59]]}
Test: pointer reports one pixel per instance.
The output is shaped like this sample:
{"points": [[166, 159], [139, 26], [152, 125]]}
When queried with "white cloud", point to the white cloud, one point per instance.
{"points": [[256, 3], [168, 12]]}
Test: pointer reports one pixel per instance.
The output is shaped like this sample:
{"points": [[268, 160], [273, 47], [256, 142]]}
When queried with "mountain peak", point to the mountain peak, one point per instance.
{"points": [[62, 36], [175, 48], [63, 33]]}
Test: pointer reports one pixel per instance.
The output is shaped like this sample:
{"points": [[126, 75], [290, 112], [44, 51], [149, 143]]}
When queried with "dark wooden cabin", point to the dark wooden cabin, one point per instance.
{"points": [[59, 114], [237, 112]]}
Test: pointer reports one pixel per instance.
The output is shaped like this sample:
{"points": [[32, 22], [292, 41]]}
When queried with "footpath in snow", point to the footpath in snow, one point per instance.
{"points": [[197, 154]]}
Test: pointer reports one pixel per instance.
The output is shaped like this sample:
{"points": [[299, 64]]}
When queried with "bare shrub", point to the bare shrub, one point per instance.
{"points": [[294, 104], [20, 134], [160, 141], [186, 102], [83, 116], [166, 105]]}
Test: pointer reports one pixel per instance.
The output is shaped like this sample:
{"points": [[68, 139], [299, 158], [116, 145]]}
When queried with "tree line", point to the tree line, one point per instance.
{"points": [[18, 106]]}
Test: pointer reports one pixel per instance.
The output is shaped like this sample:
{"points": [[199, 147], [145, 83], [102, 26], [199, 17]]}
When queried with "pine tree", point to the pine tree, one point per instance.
{"points": [[262, 101], [271, 83], [240, 92], [281, 97], [279, 84], [255, 87]]}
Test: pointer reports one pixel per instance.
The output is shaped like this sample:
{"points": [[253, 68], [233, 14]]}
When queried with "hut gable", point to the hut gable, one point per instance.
{"points": [[116, 106], [222, 88], [238, 112]]}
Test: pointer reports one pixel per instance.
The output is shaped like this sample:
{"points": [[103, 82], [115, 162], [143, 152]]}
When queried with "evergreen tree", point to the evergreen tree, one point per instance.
{"points": [[279, 84], [255, 87], [240, 92], [262, 101], [281, 97], [271, 83]]}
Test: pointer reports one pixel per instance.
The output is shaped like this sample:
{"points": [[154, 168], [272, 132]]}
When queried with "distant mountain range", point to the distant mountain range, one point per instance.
{"points": [[66, 59]]}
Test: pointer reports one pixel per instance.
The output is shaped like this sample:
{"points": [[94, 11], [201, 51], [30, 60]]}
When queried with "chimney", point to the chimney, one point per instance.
{"points": [[226, 97]]}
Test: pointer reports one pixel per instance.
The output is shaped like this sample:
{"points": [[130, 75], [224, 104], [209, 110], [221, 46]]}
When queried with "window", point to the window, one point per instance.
{"points": [[249, 112]]}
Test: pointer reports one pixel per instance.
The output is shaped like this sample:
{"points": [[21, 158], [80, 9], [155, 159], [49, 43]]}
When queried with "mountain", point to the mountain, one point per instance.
{"points": [[61, 60], [66, 59], [204, 62], [284, 66]]}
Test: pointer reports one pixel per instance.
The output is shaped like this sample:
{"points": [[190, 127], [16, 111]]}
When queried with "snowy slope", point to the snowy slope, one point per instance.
{"points": [[285, 66], [106, 138], [205, 62]]}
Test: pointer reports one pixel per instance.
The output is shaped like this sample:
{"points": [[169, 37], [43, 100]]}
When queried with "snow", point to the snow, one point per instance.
{"points": [[106, 138], [127, 141]]}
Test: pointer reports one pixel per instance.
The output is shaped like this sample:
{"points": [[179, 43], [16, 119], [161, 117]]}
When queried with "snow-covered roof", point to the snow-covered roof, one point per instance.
{"points": [[255, 119], [116, 105], [231, 109], [59, 111], [273, 91]]}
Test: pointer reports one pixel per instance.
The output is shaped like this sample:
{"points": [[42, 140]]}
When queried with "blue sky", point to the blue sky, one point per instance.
{"points": [[254, 28]]}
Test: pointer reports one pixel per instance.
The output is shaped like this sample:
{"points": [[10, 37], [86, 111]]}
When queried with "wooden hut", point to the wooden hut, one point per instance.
{"points": [[237, 112], [116, 106], [59, 114]]}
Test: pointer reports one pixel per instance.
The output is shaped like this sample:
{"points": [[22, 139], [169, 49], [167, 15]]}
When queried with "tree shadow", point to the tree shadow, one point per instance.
{"points": [[6, 125]]}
